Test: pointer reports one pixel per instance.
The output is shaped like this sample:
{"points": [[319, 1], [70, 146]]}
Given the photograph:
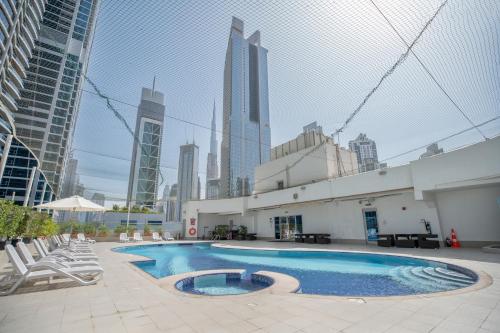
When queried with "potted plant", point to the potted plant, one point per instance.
{"points": [[6, 208], [102, 230], [130, 231], [221, 230], [119, 229], [16, 225], [242, 232], [147, 230], [89, 229]]}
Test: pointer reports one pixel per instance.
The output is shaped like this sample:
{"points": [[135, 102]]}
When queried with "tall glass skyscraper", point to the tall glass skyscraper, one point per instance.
{"points": [[212, 183], [188, 187], [145, 165], [21, 179], [246, 138], [49, 101]]}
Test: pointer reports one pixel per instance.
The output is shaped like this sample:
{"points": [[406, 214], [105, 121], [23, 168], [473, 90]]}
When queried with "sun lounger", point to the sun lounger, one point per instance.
{"points": [[156, 236], [137, 237], [29, 261], [85, 275], [81, 238], [73, 247], [124, 238], [167, 236], [66, 253]]}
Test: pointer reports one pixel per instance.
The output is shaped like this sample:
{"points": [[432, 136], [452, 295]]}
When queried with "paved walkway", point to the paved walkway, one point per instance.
{"points": [[128, 301]]}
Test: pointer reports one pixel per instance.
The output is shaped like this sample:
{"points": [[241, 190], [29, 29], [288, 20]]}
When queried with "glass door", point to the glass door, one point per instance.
{"points": [[371, 225], [283, 227]]}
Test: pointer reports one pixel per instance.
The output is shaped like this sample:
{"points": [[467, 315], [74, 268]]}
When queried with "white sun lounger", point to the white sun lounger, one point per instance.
{"points": [[85, 275], [73, 247], [156, 236], [71, 255], [124, 238], [167, 236], [137, 237], [81, 238], [29, 261]]}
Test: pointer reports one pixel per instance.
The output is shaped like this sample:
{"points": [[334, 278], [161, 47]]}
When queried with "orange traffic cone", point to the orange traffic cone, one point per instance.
{"points": [[454, 241]]}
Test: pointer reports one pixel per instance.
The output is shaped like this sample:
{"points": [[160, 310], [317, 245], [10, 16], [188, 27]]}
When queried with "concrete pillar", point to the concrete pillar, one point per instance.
{"points": [[5, 155], [29, 187]]}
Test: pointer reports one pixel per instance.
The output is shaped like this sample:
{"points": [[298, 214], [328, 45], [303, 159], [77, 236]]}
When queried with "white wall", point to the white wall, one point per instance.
{"points": [[344, 218], [474, 213]]}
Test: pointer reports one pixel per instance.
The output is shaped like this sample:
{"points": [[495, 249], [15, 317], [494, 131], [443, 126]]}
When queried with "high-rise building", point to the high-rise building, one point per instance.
{"points": [[432, 149], [71, 179], [146, 153], [212, 190], [187, 179], [366, 151], [21, 178], [50, 99], [212, 167], [171, 206], [246, 137], [99, 199]]}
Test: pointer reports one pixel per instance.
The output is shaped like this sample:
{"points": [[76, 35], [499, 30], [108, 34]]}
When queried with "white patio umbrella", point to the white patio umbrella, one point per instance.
{"points": [[73, 204]]}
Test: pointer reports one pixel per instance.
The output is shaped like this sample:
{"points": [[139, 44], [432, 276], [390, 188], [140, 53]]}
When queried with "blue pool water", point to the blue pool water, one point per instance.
{"points": [[223, 284], [321, 272]]}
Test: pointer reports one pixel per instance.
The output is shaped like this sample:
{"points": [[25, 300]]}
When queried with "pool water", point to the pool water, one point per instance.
{"points": [[222, 284], [319, 272]]}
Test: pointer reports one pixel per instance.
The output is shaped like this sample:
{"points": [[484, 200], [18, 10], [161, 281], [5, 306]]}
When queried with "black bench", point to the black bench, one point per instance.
{"points": [[406, 240], [426, 243], [385, 240]]}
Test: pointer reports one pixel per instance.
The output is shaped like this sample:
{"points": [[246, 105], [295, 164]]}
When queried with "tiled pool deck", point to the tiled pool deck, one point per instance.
{"points": [[127, 300]]}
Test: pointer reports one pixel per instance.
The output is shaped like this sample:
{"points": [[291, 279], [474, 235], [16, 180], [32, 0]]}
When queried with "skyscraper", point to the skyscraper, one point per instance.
{"points": [[171, 204], [366, 151], [212, 167], [187, 178], [246, 138], [71, 179], [431, 150], [50, 99], [21, 179], [145, 165]]}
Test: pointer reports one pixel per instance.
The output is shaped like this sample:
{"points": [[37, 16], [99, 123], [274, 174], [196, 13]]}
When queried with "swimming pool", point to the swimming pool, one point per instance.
{"points": [[319, 272]]}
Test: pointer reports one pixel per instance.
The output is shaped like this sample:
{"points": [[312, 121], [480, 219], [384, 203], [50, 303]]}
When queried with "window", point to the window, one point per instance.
{"points": [[130, 222], [155, 222], [281, 185]]}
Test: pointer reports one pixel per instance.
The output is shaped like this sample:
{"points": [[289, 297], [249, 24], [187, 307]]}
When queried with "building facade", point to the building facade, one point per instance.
{"points": [[446, 190], [246, 137], [310, 157], [71, 184], [171, 204], [366, 151], [187, 178], [431, 150], [212, 189], [50, 98], [146, 152], [212, 166], [100, 199], [21, 178]]}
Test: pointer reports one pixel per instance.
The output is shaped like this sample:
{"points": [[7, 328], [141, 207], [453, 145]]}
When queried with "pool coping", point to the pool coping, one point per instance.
{"points": [[484, 280], [282, 283]]}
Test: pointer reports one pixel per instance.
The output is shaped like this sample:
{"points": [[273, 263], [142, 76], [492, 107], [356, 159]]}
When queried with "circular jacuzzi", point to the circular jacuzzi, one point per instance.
{"points": [[219, 284]]}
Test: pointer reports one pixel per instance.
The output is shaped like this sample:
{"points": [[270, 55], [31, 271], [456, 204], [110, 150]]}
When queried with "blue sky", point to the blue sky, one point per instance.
{"points": [[324, 57]]}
